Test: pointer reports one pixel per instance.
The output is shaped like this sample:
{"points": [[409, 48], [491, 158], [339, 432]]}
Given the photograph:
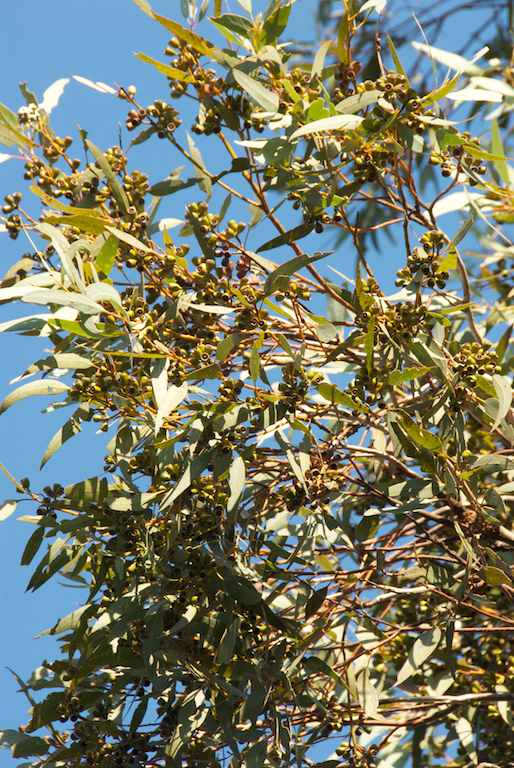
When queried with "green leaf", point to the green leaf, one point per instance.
{"points": [[369, 343], [256, 755], [494, 576], [33, 545], [450, 261], [70, 622], [8, 117], [503, 388], [191, 470], [475, 151], [331, 393], [287, 448], [11, 478], [368, 526], [408, 374], [204, 180], [319, 60], [71, 428], [62, 298], [173, 72], [326, 332], [358, 101], [228, 642], [464, 229], [315, 602], [173, 397], [236, 482], [368, 697], [107, 255], [396, 59], [10, 138], [502, 345], [289, 268], [441, 92], [266, 99], [342, 38], [208, 372], [7, 508], [255, 361], [226, 203], [94, 489], [117, 192], [198, 43], [30, 745], [237, 24], [329, 124], [422, 649], [139, 713], [315, 664], [287, 237], [227, 344], [43, 387], [420, 436], [168, 186], [497, 149], [274, 25], [129, 239], [435, 575]]}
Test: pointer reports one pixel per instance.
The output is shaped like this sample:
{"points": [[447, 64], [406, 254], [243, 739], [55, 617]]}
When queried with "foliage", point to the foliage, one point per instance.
{"points": [[302, 531]]}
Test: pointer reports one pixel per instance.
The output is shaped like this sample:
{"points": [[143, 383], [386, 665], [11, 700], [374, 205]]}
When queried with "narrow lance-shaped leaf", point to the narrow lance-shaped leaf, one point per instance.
{"points": [[329, 124], [368, 697], [421, 436], [287, 237], [342, 37], [201, 174], [422, 649], [119, 194], [289, 268], [71, 428], [7, 508], [274, 25], [237, 24], [331, 393], [43, 387], [236, 481], [266, 99], [497, 149], [173, 72], [503, 388]]}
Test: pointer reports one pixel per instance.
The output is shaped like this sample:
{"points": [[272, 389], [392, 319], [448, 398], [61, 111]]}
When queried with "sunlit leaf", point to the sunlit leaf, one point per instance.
{"points": [[266, 99], [422, 649], [329, 124], [43, 387]]}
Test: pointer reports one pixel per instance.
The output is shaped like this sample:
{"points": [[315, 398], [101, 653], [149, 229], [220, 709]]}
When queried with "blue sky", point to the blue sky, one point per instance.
{"points": [[41, 43]]}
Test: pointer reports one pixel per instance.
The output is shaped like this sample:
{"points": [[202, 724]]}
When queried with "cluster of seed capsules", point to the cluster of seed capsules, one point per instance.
{"points": [[13, 223], [303, 85], [456, 158], [401, 320], [425, 263], [163, 117], [345, 76], [474, 359]]}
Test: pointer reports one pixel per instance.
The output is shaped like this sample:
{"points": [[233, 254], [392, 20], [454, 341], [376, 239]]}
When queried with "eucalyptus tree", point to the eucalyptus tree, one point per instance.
{"points": [[301, 533]]}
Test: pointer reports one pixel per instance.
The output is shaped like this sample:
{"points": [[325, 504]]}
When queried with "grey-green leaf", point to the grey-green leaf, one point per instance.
{"points": [[422, 649], [266, 99], [43, 387]]}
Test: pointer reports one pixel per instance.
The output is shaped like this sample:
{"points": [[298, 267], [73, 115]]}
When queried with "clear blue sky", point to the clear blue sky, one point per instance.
{"points": [[40, 43]]}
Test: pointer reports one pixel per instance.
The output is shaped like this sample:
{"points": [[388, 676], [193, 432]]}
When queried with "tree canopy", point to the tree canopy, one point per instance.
{"points": [[301, 535]]}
